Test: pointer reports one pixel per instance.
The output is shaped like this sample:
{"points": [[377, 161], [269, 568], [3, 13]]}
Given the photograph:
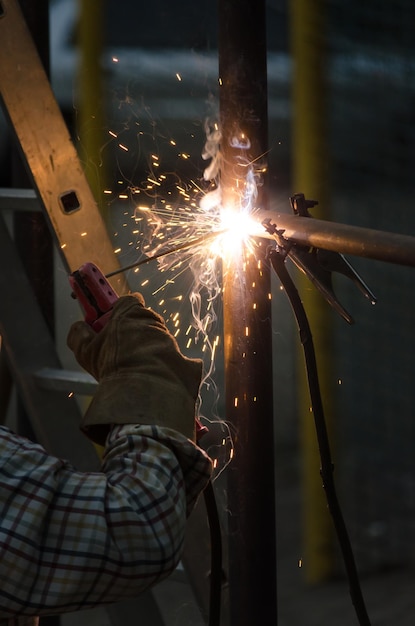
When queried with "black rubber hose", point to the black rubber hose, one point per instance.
{"points": [[277, 259]]}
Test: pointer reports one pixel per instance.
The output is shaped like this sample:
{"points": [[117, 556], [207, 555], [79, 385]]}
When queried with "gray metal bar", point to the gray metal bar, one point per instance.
{"points": [[66, 380], [19, 200]]}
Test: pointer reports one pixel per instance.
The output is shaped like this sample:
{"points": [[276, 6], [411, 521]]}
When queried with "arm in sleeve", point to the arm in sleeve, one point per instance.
{"points": [[72, 540]]}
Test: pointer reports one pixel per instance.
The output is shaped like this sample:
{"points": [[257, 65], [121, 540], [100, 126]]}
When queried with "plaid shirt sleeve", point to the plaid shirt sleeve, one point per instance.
{"points": [[72, 540]]}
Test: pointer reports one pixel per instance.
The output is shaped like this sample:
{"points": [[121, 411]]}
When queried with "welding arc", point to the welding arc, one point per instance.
{"points": [[183, 246]]}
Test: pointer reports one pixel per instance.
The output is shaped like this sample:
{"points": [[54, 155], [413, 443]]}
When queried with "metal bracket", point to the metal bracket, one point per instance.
{"points": [[316, 263]]}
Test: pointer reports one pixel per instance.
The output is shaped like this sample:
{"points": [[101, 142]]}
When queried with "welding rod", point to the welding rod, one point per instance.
{"points": [[353, 240], [182, 246]]}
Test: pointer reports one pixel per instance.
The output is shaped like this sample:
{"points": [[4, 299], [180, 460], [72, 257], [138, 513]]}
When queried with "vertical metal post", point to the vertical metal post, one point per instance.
{"points": [[247, 323], [310, 176]]}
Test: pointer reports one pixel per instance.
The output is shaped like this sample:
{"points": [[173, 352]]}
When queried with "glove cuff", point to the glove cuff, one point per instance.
{"points": [[142, 400]]}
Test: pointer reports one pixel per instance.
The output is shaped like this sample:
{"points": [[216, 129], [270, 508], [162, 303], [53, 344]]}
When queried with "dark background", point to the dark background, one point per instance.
{"points": [[370, 115]]}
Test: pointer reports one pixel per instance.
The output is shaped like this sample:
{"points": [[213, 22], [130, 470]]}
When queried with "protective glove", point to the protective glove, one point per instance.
{"points": [[142, 376]]}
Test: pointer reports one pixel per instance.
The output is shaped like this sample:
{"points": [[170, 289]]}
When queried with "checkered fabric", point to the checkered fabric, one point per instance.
{"points": [[72, 540]]}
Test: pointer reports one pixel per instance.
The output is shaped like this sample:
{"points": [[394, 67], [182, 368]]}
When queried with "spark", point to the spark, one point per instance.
{"points": [[189, 230]]}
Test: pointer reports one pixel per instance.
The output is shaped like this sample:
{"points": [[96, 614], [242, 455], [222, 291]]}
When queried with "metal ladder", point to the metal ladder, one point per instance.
{"points": [[62, 192]]}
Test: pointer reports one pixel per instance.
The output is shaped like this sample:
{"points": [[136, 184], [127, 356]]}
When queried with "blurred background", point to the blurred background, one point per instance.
{"points": [[136, 83]]}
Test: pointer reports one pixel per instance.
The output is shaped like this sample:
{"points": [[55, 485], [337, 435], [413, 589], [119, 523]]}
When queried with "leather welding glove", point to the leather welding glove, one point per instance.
{"points": [[142, 376]]}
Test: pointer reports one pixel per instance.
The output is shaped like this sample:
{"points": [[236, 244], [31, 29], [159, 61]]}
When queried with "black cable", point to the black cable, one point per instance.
{"points": [[277, 258], [215, 556]]}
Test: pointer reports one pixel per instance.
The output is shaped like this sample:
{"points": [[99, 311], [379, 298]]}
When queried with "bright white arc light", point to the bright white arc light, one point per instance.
{"points": [[236, 229]]}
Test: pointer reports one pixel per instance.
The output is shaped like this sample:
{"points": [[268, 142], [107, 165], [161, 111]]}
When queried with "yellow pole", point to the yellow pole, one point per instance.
{"points": [[91, 114], [310, 176]]}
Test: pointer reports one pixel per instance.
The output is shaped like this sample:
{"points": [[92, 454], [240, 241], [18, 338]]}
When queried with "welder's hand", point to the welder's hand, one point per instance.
{"points": [[142, 376]]}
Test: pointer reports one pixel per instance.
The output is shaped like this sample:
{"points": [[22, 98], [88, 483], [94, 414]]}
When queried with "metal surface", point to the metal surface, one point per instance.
{"points": [[48, 150], [66, 380], [353, 240], [247, 322], [19, 200], [31, 234]]}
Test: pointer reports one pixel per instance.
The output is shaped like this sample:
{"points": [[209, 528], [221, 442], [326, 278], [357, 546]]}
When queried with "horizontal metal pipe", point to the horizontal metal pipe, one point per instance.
{"points": [[353, 240]]}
